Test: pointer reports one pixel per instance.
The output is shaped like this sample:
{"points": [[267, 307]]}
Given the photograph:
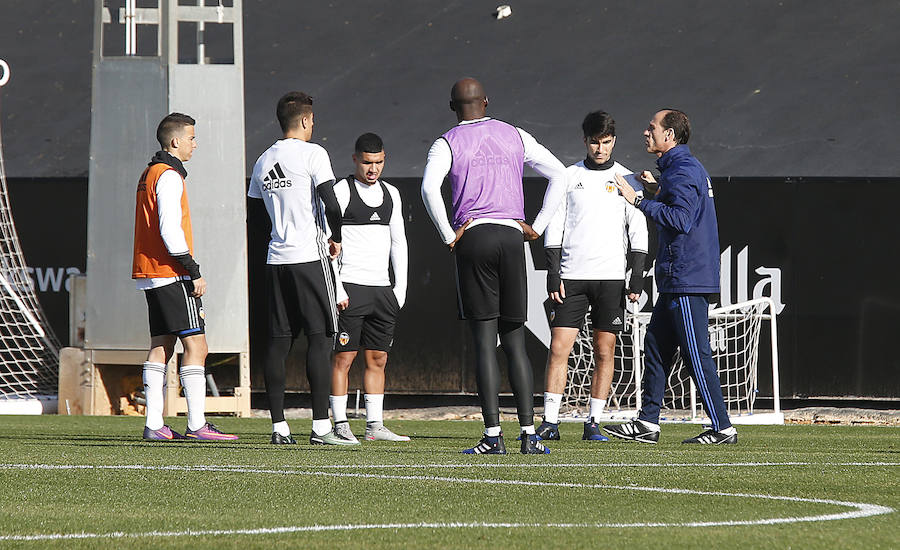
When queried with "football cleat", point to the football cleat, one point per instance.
{"points": [[633, 431], [342, 429], [278, 439], [548, 431], [381, 433], [531, 445], [208, 432], [592, 432], [163, 434], [712, 437], [488, 446], [330, 438]]}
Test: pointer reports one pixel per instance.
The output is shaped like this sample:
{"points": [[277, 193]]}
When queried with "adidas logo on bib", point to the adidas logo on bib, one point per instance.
{"points": [[617, 321], [375, 217]]}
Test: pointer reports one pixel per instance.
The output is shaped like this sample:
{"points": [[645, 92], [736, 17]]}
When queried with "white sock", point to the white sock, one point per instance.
{"points": [[730, 430], [493, 431], [338, 407], [528, 429], [551, 407], [193, 380], [596, 408], [281, 428], [374, 407], [322, 426], [154, 375], [649, 425]]}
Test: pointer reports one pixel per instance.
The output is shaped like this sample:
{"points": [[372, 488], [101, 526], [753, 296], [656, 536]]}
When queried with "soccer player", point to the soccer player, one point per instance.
{"points": [[373, 238], [163, 267], [592, 237], [484, 158], [295, 181], [687, 272]]}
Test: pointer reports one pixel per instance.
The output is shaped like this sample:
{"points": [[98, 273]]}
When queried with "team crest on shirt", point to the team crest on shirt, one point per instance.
{"points": [[343, 338], [610, 187]]}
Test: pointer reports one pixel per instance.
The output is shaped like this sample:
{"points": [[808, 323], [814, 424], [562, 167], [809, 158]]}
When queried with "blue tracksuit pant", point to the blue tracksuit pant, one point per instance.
{"points": [[681, 321]]}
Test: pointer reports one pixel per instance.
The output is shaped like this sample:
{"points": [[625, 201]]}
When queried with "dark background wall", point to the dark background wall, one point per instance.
{"points": [[840, 306], [774, 87]]}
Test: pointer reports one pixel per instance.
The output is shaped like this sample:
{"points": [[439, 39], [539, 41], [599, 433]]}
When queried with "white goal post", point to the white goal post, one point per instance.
{"points": [[29, 351], [734, 331]]}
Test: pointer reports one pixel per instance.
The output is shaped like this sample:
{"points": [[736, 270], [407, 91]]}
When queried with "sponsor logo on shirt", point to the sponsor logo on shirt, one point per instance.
{"points": [[275, 179], [375, 217], [579, 186]]}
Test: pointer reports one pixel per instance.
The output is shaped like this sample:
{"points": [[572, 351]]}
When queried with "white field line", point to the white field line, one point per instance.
{"points": [[857, 509]]}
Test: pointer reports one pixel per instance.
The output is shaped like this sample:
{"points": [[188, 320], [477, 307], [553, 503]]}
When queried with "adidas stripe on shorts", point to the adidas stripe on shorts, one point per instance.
{"points": [[605, 298], [370, 319], [301, 297], [490, 274], [173, 310]]}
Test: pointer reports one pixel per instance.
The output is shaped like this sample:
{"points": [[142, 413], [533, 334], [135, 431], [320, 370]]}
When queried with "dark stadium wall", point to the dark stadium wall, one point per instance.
{"points": [[774, 87], [813, 245]]}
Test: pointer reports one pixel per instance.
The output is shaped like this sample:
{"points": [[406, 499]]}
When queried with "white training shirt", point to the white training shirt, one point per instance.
{"points": [[595, 226], [169, 188], [285, 178], [440, 158], [367, 250]]}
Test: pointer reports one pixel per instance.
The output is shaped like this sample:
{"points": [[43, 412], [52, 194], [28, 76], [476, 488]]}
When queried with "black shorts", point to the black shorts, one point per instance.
{"points": [[369, 320], [173, 310], [490, 274], [605, 298], [301, 297]]}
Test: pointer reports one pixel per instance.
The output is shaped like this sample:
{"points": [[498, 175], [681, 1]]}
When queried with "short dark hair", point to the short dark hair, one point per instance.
{"points": [[598, 123], [170, 126], [291, 108], [679, 123], [368, 143]]}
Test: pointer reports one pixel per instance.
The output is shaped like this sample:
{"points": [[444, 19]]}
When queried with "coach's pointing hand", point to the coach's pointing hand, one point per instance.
{"points": [[625, 189]]}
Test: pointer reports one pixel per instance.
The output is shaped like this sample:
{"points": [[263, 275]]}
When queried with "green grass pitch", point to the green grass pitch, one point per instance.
{"points": [[91, 482]]}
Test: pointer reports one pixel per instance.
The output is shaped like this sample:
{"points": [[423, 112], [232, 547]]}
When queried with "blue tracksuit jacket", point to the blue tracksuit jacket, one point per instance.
{"points": [[685, 215]]}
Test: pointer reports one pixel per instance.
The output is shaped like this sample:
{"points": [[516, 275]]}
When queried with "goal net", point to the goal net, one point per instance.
{"points": [[734, 334], [29, 351]]}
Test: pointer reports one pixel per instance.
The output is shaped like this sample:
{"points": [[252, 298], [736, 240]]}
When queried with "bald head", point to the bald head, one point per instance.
{"points": [[467, 99]]}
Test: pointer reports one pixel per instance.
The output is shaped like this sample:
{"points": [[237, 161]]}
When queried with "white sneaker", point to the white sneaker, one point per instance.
{"points": [[342, 430], [381, 433]]}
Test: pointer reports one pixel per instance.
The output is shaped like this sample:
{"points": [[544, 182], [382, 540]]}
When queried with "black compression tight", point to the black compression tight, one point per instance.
{"points": [[318, 372], [274, 355], [487, 371]]}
